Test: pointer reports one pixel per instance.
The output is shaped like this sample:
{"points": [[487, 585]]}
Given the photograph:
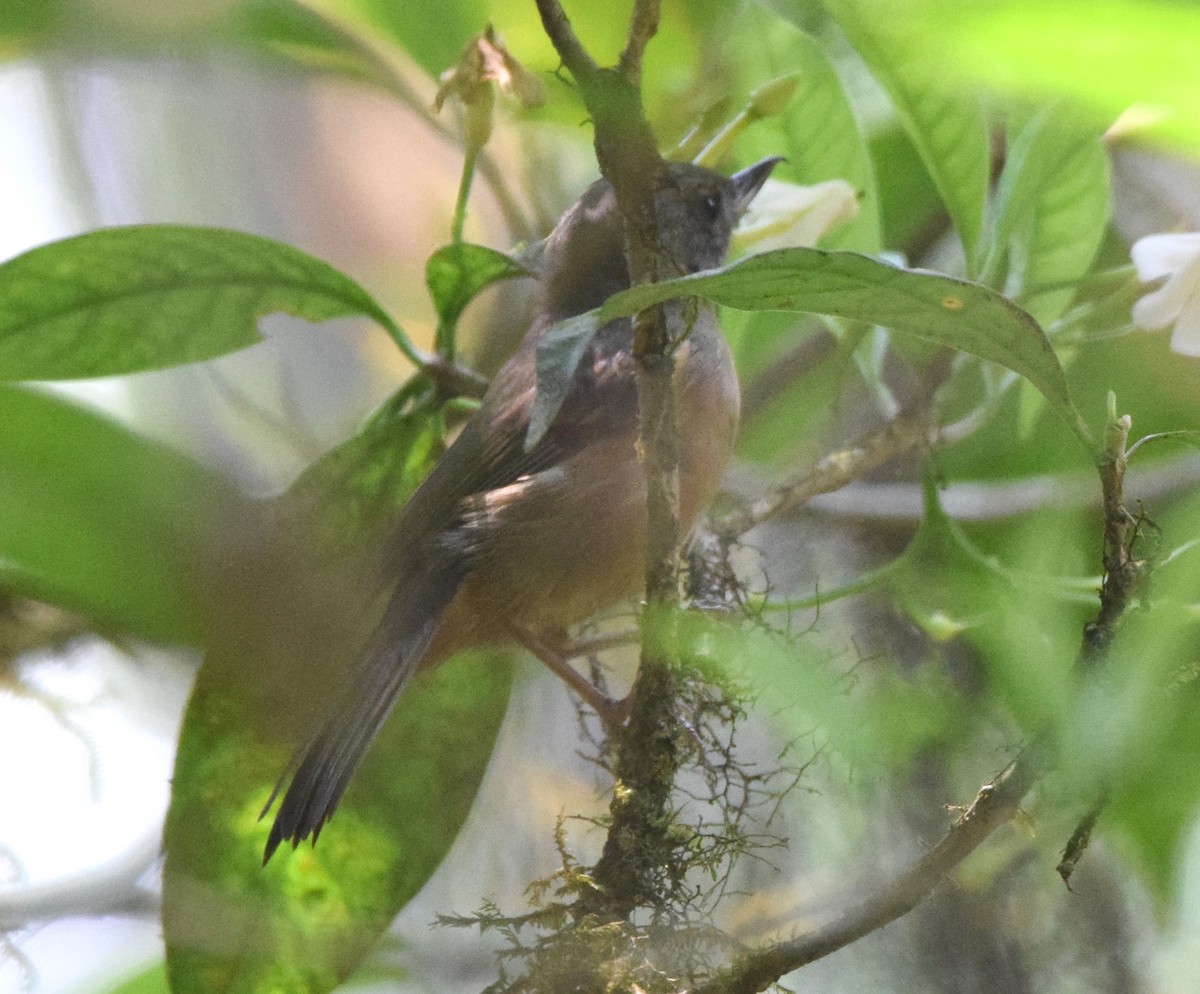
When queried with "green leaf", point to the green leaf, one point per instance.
{"points": [[558, 353], [98, 520], [908, 199], [941, 309], [23, 25], [299, 591], [123, 300], [1052, 209], [432, 34], [353, 491], [305, 922], [824, 141], [152, 980], [456, 273], [947, 125]]}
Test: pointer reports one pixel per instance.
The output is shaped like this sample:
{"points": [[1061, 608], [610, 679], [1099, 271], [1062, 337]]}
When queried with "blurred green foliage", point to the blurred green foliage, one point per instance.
{"points": [[974, 128]]}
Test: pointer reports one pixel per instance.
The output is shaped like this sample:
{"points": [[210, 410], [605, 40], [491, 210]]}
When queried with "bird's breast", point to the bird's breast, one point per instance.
{"points": [[555, 547]]}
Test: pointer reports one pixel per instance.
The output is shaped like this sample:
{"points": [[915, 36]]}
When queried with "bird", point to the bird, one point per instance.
{"points": [[509, 543]]}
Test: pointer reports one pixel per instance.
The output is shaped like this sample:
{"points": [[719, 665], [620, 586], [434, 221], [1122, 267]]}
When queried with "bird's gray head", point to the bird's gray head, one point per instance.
{"points": [[583, 262]]}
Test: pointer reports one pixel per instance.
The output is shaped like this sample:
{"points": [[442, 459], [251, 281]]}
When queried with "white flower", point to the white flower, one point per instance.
{"points": [[1175, 304], [785, 215]]}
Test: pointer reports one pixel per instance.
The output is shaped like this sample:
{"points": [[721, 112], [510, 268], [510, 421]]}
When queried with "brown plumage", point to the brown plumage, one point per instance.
{"points": [[503, 544]]}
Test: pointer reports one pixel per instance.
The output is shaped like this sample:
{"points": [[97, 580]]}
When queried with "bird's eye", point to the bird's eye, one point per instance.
{"points": [[712, 204]]}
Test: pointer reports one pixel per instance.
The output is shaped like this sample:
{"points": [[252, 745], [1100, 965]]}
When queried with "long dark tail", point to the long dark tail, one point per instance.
{"points": [[325, 766]]}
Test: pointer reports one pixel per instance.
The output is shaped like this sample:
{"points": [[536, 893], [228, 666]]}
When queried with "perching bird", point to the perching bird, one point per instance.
{"points": [[501, 544]]}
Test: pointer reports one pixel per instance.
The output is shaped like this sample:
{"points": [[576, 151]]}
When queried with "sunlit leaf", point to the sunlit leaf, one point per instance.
{"points": [[97, 519], [824, 142], [297, 596], [122, 300], [304, 922], [945, 123], [1052, 209]]}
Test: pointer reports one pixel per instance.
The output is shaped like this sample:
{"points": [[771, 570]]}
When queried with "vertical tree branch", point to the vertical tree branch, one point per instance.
{"points": [[647, 751]]}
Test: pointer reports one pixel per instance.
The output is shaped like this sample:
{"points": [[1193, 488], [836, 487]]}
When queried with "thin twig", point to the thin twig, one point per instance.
{"points": [[1077, 845], [909, 429], [558, 29], [995, 804], [903, 433], [1125, 577], [643, 26], [1122, 572]]}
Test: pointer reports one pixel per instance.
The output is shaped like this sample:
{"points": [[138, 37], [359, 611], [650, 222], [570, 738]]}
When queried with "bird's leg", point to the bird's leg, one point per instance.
{"points": [[612, 713], [585, 645]]}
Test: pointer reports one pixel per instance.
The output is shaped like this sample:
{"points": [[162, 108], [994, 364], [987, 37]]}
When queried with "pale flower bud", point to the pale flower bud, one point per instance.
{"points": [[484, 65]]}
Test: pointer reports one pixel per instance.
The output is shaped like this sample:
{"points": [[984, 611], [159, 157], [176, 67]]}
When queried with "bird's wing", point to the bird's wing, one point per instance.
{"points": [[428, 555]]}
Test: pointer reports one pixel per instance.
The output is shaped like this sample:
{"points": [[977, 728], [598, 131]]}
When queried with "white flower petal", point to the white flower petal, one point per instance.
{"points": [[1170, 302], [1185, 339], [1156, 256], [785, 215], [1160, 308]]}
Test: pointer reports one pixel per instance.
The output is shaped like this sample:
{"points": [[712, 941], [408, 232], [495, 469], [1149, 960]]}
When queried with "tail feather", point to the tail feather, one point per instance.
{"points": [[322, 770]]}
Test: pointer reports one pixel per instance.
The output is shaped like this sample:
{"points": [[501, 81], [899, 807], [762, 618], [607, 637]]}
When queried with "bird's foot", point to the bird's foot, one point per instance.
{"points": [[614, 713]]}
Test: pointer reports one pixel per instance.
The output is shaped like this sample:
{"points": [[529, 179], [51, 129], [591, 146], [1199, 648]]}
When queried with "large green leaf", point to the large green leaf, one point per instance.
{"points": [[1052, 209], [824, 141], [99, 520], [946, 124], [951, 312], [122, 300], [294, 603], [304, 922]]}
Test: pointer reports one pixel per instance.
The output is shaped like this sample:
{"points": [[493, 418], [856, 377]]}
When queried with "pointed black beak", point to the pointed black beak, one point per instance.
{"points": [[749, 181]]}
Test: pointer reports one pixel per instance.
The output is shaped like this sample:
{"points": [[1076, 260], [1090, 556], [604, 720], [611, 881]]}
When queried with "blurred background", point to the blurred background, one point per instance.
{"points": [[118, 112]]}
